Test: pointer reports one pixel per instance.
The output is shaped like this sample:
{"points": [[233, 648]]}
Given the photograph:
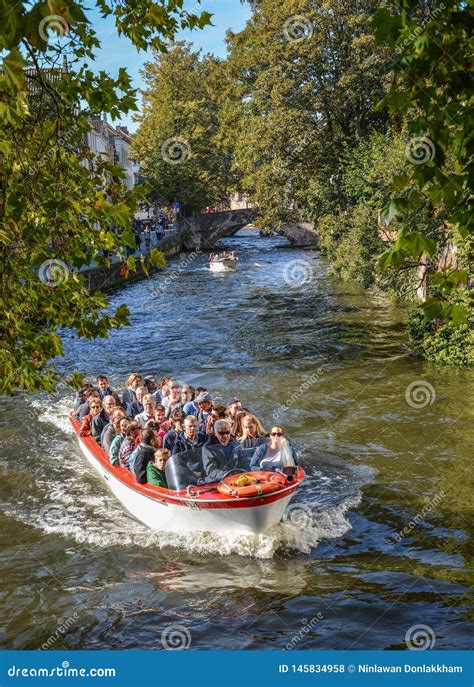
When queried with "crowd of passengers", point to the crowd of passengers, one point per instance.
{"points": [[149, 422]]}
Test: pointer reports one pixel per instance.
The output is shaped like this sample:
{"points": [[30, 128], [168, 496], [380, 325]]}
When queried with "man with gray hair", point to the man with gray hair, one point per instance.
{"points": [[222, 453]]}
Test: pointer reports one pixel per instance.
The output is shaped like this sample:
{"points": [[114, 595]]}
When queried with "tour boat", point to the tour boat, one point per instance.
{"points": [[224, 506], [223, 262]]}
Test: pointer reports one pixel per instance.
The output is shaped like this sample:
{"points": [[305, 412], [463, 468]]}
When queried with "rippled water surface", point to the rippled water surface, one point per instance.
{"points": [[375, 542]]}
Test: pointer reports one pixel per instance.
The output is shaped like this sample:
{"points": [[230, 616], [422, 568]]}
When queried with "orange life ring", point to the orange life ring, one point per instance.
{"points": [[251, 484]]}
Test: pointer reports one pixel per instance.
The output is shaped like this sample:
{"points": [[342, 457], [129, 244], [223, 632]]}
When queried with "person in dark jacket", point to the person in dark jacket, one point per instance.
{"points": [[155, 471], [190, 437], [222, 453], [131, 385], [136, 407], [149, 442], [177, 426], [105, 390], [102, 420]]}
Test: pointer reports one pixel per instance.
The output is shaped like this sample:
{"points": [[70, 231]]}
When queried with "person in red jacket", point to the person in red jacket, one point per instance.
{"points": [[95, 408]]}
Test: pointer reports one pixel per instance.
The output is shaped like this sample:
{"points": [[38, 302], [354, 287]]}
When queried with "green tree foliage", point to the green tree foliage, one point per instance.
{"points": [[61, 206], [177, 144], [306, 76], [432, 88]]}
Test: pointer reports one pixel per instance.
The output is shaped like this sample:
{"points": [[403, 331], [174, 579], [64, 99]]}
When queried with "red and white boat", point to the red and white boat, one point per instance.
{"points": [[209, 508]]}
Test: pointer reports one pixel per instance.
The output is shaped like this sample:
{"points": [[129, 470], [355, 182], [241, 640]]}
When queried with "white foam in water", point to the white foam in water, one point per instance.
{"points": [[72, 502]]}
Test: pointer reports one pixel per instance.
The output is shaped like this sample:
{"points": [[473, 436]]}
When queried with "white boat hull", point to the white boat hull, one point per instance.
{"points": [[162, 515], [225, 265]]}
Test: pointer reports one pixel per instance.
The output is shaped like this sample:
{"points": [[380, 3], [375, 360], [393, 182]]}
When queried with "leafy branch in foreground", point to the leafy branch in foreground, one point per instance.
{"points": [[61, 206]]}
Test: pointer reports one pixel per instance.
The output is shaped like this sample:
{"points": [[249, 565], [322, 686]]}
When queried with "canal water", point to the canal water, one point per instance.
{"points": [[373, 546]]}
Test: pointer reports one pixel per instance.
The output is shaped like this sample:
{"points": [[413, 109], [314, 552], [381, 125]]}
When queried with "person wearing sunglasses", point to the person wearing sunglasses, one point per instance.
{"points": [[222, 453], [100, 422], [275, 454], [95, 407]]}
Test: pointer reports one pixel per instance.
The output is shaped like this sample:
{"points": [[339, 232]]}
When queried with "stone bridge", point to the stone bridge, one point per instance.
{"points": [[204, 230]]}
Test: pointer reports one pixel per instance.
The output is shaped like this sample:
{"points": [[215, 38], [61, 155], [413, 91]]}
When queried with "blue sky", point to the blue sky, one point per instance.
{"points": [[119, 52]]}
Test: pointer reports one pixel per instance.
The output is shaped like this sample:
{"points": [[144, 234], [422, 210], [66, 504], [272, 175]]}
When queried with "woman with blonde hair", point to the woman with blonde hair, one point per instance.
{"points": [[131, 385], [253, 435]]}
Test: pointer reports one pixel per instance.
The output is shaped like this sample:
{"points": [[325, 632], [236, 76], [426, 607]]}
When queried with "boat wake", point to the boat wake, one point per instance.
{"points": [[67, 499]]}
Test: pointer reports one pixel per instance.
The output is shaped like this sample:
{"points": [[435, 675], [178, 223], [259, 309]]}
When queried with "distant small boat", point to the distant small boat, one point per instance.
{"points": [[223, 262]]}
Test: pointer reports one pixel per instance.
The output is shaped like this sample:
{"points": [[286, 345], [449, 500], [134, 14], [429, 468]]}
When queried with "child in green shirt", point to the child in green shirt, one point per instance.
{"points": [[155, 471]]}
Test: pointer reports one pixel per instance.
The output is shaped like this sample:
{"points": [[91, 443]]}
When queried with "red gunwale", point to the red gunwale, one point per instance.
{"points": [[179, 498]]}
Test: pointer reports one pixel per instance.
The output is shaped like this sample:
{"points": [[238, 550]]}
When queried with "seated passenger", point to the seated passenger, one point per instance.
{"points": [[190, 408], [128, 445], [145, 452], [188, 393], [103, 419], [217, 413], [149, 404], [189, 437], [173, 400], [105, 389], [176, 425], [151, 386], [164, 389], [204, 405], [155, 471], [237, 429], [159, 414], [82, 410], [81, 396], [111, 430], [233, 406], [95, 407], [222, 453], [276, 454], [132, 383], [253, 435], [124, 425], [136, 407]]}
